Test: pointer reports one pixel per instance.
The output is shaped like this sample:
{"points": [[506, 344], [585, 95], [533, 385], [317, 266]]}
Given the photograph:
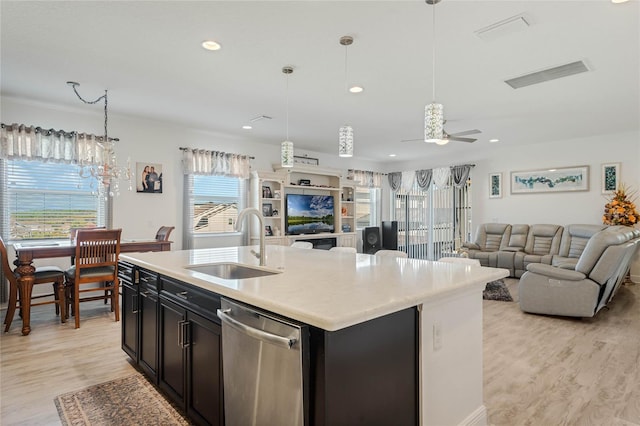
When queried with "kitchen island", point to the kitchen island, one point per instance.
{"points": [[439, 306]]}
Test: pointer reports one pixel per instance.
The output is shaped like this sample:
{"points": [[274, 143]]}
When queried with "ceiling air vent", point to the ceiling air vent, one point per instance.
{"points": [[503, 28], [548, 74]]}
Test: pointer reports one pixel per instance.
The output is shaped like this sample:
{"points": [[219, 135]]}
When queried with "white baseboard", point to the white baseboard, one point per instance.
{"points": [[477, 418]]}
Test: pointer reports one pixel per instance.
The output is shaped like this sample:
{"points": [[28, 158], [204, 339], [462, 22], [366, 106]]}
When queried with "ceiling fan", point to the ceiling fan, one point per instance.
{"points": [[452, 136]]}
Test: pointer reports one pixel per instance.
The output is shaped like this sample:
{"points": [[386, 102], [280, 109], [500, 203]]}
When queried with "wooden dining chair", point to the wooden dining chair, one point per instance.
{"points": [[44, 275], [97, 252], [163, 233]]}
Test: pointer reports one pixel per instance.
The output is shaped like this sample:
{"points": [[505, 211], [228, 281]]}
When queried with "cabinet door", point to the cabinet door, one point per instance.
{"points": [[171, 370], [204, 371], [148, 317], [130, 320]]}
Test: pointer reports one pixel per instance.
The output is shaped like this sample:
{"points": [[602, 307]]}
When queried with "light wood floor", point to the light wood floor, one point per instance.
{"points": [[537, 370]]}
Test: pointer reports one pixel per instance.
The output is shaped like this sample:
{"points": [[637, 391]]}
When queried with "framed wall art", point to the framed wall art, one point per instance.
{"points": [[610, 178], [149, 177], [550, 180], [495, 185]]}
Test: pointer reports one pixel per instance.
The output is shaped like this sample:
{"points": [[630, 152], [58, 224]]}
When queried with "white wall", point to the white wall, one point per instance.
{"points": [[149, 141], [560, 207]]}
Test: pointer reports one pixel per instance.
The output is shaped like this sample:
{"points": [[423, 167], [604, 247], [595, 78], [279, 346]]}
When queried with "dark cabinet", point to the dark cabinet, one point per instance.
{"points": [[190, 362], [129, 309], [140, 316], [148, 321]]}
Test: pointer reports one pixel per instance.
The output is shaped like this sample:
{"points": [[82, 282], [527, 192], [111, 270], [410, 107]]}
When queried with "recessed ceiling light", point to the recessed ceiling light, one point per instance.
{"points": [[494, 140], [392, 155], [619, 1], [247, 127], [356, 89], [211, 45]]}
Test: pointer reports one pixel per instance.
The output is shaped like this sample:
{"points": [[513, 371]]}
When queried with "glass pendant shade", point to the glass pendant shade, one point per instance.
{"points": [[345, 141], [286, 154], [434, 123]]}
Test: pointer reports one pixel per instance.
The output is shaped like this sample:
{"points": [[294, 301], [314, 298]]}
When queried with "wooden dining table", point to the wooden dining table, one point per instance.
{"points": [[28, 251]]}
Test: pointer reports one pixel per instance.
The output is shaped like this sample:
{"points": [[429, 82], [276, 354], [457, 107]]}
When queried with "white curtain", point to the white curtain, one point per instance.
{"points": [[20, 142], [441, 176], [204, 162], [365, 178]]}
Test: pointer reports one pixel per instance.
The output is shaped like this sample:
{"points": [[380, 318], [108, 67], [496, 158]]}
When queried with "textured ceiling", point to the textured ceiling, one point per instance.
{"points": [[148, 55]]}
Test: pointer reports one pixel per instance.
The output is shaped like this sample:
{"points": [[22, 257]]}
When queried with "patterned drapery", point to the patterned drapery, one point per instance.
{"points": [[365, 178], [205, 162], [21, 142]]}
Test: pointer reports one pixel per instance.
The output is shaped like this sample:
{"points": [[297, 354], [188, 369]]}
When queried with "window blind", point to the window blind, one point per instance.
{"points": [[44, 200]]}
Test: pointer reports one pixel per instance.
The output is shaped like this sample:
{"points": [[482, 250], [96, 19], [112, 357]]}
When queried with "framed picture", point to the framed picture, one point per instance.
{"points": [[305, 160], [149, 177], [495, 185], [610, 178], [267, 210], [550, 180], [266, 192], [267, 231]]}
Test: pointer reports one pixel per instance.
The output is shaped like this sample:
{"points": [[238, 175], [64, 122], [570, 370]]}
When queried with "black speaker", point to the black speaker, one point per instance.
{"points": [[371, 240], [390, 235]]}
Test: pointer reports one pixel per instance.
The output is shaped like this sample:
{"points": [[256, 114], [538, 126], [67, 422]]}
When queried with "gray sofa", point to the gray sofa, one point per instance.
{"points": [[514, 247], [585, 289]]}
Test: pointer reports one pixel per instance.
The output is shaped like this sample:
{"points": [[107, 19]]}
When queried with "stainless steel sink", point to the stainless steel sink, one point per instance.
{"points": [[231, 271]]}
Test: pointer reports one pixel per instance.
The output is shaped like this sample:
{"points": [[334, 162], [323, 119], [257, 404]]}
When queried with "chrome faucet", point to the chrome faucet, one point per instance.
{"points": [[238, 227]]}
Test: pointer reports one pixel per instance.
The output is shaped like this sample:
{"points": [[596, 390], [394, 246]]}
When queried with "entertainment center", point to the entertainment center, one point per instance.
{"points": [[304, 203]]}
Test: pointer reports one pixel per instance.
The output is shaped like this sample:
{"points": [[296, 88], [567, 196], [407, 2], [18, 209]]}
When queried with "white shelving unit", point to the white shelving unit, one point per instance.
{"points": [[303, 179]]}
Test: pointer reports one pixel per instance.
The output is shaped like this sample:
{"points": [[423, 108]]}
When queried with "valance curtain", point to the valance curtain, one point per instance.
{"points": [[365, 178], [460, 175], [20, 142], [395, 180], [204, 162], [423, 178], [441, 176]]}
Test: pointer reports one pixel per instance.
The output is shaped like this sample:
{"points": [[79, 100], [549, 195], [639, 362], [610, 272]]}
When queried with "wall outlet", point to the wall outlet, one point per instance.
{"points": [[437, 336]]}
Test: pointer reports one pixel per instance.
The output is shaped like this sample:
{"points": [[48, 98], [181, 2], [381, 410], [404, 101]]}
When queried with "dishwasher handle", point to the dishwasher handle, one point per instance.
{"points": [[286, 342]]}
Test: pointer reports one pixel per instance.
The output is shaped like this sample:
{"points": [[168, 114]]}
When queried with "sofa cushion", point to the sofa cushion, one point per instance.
{"points": [[518, 237], [543, 239]]}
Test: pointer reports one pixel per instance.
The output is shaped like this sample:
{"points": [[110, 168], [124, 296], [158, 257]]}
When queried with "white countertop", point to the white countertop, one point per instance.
{"points": [[327, 289]]}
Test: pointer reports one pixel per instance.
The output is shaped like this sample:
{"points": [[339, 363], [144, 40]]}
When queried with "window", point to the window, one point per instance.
{"points": [[43, 200], [367, 207], [215, 203]]}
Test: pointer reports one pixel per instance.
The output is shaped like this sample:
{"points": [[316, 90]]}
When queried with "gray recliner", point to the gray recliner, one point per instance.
{"points": [[490, 238], [543, 241], [599, 271], [574, 240]]}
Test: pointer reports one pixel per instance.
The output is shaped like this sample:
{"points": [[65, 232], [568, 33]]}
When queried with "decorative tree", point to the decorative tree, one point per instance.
{"points": [[620, 210]]}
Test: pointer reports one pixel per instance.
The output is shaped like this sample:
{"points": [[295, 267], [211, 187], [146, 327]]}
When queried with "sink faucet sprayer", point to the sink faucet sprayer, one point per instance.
{"points": [[238, 227]]}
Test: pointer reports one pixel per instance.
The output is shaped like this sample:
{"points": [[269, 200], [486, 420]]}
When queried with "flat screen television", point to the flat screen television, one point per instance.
{"points": [[309, 214]]}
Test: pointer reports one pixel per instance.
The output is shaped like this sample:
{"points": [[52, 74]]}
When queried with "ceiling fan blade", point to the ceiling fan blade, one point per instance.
{"points": [[412, 140], [457, 139], [466, 132]]}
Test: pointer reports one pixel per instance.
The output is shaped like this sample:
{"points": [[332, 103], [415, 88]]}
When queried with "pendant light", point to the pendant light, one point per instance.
{"points": [[345, 134], [286, 148], [434, 112]]}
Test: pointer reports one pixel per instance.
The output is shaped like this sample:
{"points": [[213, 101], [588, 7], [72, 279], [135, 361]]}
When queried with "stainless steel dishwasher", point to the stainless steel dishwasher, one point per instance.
{"points": [[265, 367]]}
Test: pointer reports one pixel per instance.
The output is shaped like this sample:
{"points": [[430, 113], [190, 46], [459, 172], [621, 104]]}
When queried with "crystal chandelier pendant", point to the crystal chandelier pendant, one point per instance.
{"points": [[345, 141], [286, 154], [434, 123]]}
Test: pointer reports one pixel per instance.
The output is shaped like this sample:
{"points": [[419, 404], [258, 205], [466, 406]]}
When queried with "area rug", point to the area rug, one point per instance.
{"points": [[127, 401], [497, 290]]}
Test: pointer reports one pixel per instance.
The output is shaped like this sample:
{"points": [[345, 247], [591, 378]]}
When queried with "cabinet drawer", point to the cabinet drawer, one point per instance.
{"points": [[148, 279], [201, 301], [125, 272]]}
